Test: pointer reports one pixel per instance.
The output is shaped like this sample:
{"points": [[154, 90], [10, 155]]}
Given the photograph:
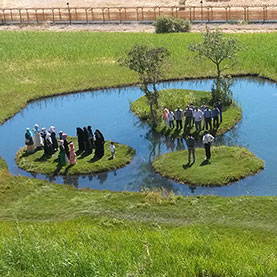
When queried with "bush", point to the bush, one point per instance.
{"points": [[165, 24]]}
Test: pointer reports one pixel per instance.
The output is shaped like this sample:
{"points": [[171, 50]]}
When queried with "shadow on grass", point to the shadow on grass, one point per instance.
{"points": [[43, 158], [187, 165], [85, 154], [67, 168], [57, 170], [94, 159], [205, 162], [26, 154]]}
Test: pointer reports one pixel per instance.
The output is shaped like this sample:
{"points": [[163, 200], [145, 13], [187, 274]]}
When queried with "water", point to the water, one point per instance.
{"points": [[108, 110]]}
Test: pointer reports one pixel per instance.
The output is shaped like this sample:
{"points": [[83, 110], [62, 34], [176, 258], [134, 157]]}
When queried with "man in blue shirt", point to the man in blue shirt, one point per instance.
{"points": [[208, 118], [215, 115]]}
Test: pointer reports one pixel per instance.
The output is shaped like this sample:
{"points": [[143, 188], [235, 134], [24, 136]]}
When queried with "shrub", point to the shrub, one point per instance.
{"points": [[165, 24]]}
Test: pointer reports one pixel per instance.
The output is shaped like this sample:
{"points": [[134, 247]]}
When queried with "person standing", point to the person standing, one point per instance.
{"points": [[198, 115], [112, 147], [207, 140], [219, 106], [171, 118], [215, 114], [190, 141], [179, 117], [62, 155], [189, 116], [29, 141], [72, 154], [208, 118], [165, 116], [37, 137]]}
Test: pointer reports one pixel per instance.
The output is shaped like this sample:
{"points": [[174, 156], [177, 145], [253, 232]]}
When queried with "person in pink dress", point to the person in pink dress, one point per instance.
{"points": [[165, 116], [72, 154]]}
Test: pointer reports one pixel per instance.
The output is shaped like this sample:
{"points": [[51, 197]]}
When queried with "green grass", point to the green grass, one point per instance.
{"points": [[227, 164], [180, 97], [39, 64], [38, 163], [54, 230], [120, 233], [119, 248]]}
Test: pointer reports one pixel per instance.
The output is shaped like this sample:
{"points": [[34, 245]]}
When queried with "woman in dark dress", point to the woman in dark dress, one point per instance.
{"points": [[99, 144], [66, 145], [80, 135], [91, 137], [53, 138], [86, 140]]}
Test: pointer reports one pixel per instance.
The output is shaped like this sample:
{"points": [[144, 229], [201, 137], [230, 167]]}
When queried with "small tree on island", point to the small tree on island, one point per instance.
{"points": [[218, 49], [149, 63]]}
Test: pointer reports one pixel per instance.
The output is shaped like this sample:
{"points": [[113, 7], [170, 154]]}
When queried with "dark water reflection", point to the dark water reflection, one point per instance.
{"points": [[108, 111]]}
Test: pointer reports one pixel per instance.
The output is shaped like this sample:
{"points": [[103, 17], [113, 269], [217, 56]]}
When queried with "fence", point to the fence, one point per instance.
{"points": [[70, 15]]}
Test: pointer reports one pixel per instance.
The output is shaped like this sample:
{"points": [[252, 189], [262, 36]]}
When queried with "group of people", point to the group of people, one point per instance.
{"points": [[194, 116], [46, 139]]}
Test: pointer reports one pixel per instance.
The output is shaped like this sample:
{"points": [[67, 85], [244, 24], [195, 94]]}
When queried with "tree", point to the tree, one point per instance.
{"points": [[149, 63], [217, 48]]}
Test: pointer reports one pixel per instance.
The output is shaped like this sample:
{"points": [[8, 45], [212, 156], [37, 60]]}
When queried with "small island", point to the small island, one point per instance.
{"points": [[37, 162], [227, 164], [172, 98]]}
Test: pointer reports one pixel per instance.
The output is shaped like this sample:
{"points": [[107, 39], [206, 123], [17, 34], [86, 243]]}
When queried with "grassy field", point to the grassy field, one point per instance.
{"points": [[53, 230], [180, 97], [38, 64], [227, 164], [38, 163]]}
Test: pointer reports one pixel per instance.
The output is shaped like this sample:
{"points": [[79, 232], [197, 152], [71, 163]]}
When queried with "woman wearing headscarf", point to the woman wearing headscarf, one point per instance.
{"points": [[37, 137], [86, 140], [52, 131], [66, 145], [47, 142], [62, 155], [99, 144], [90, 137], [29, 141], [80, 135]]}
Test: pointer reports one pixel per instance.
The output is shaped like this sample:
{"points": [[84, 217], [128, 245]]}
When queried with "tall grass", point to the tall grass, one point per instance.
{"points": [[118, 248]]}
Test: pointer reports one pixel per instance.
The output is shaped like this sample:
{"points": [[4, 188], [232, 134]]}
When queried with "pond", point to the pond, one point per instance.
{"points": [[108, 110]]}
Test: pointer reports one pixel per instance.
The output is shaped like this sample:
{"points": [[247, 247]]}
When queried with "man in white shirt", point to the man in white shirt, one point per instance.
{"points": [[198, 115], [207, 140]]}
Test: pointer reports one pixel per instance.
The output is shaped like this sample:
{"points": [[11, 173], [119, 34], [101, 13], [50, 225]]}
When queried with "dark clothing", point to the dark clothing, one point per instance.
{"points": [[188, 122], [190, 142], [80, 135], [28, 139], [215, 122], [66, 148], [54, 141], [86, 140], [47, 146], [171, 123], [208, 150], [91, 137], [99, 144], [191, 150], [208, 122], [179, 124]]}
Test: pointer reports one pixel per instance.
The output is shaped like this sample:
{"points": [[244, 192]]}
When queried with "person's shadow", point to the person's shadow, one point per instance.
{"points": [[187, 165], [205, 162]]}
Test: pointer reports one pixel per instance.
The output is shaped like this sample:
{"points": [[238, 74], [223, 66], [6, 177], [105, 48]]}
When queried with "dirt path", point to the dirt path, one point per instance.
{"points": [[123, 3], [147, 28]]}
